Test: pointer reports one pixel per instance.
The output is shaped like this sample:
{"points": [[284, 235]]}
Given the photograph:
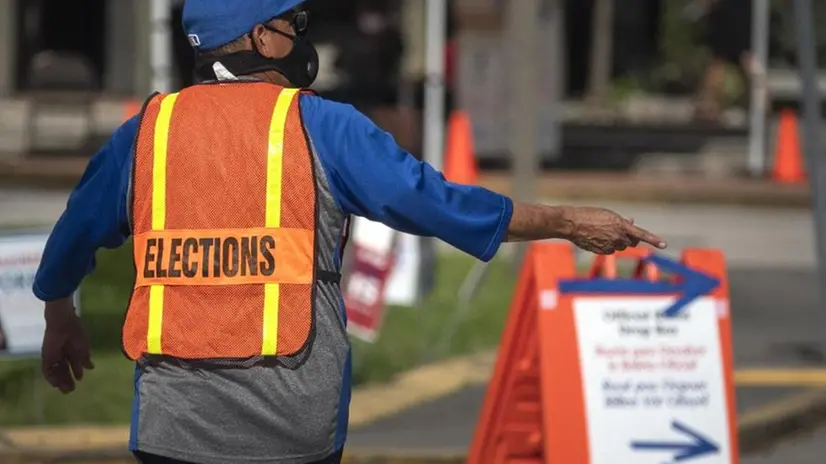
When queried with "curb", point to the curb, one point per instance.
{"points": [[421, 385], [635, 188], [766, 426]]}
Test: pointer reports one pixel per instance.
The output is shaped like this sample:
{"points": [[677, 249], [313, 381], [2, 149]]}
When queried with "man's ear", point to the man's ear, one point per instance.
{"points": [[259, 37]]}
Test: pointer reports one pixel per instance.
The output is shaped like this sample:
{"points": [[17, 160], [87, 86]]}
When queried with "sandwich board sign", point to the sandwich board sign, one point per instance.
{"points": [[618, 370], [373, 251], [21, 314]]}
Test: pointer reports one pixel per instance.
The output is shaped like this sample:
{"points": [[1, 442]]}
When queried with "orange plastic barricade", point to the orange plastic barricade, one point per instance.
{"points": [[598, 369], [131, 108]]}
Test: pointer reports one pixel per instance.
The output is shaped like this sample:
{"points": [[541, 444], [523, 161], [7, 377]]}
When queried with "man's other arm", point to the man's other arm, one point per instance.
{"points": [[372, 177], [95, 217]]}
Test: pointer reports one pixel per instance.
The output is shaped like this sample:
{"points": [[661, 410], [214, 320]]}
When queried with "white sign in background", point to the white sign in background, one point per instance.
{"points": [[21, 313], [641, 372], [403, 283]]}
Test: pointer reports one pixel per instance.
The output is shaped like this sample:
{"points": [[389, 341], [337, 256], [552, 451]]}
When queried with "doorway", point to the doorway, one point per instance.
{"points": [[61, 44]]}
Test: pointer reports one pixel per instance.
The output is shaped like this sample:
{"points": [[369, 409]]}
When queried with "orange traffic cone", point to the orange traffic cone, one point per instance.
{"points": [[460, 160], [788, 163], [131, 108]]}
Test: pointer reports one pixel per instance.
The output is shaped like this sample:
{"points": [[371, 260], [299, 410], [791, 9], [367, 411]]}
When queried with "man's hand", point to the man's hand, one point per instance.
{"points": [[597, 230], [66, 351], [603, 231]]}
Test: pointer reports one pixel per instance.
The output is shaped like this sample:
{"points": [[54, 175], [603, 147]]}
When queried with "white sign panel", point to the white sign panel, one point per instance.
{"points": [[403, 284], [654, 386], [21, 313], [373, 236]]}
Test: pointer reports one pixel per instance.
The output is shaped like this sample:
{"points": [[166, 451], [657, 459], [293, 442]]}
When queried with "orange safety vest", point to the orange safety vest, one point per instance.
{"points": [[224, 222]]}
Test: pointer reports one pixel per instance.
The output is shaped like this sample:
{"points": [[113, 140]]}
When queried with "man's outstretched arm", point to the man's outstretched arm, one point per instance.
{"points": [[594, 229], [371, 176]]}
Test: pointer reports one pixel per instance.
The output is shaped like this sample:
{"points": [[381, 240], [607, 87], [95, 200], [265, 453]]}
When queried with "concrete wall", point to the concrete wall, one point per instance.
{"points": [[8, 30], [414, 18], [122, 42]]}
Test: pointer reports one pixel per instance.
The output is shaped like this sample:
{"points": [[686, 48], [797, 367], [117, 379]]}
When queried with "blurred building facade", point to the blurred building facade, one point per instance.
{"points": [[87, 51], [103, 45], [372, 55], [105, 42]]}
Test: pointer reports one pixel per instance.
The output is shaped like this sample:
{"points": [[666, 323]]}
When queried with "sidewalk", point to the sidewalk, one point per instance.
{"points": [[558, 185]]}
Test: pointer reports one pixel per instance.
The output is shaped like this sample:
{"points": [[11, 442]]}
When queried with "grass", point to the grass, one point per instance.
{"points": [[105, 395], [413, 335]]}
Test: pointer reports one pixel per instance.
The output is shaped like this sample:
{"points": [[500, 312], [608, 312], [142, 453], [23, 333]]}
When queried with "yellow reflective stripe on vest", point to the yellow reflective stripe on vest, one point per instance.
{"points": [[159, 163], [275, 167]]}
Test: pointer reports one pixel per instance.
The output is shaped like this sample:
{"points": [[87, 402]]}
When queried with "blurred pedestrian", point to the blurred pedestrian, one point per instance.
{"points": [[729, 39], [236, 193], [371, 57]]}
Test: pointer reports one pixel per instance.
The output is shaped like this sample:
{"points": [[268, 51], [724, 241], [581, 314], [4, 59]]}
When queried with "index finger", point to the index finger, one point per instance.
{"points": [[645, 236]]}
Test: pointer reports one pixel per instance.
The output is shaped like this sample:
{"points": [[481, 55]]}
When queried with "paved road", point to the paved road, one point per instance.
{"points": [[447, 424], [805, 449]]}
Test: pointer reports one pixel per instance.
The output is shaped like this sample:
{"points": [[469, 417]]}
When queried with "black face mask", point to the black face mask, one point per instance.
{"points": [[300, 66]]}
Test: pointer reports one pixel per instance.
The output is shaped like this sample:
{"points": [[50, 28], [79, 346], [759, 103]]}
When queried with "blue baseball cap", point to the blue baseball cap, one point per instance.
{"points": [[210, 24]]}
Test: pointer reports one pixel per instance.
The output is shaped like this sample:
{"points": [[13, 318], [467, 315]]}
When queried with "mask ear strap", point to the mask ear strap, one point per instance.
{"points": [[239, 64]]}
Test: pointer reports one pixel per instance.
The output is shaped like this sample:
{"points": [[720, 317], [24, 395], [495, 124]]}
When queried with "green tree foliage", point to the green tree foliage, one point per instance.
{"points": [[684, 54]]}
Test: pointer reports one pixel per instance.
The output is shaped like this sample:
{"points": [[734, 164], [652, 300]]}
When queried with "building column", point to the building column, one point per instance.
{"points": [[141, 59], [413, 31], [8, 46], [122, 41], [151, 19]]}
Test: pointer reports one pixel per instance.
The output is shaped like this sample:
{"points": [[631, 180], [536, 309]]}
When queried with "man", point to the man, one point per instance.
{"points": [[236, 195], [729, 39]]}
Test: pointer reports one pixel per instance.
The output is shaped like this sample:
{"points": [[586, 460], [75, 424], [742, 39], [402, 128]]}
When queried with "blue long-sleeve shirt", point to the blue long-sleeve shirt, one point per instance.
{"points": [[368, 173]]}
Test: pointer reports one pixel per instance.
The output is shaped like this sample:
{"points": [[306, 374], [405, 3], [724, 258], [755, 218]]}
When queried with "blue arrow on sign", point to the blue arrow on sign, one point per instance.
{"points": [[694, 284], [696, 447]]}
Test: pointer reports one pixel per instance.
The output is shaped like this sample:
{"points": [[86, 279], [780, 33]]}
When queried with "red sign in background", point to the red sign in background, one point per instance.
{"points": [[364, 291]]}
